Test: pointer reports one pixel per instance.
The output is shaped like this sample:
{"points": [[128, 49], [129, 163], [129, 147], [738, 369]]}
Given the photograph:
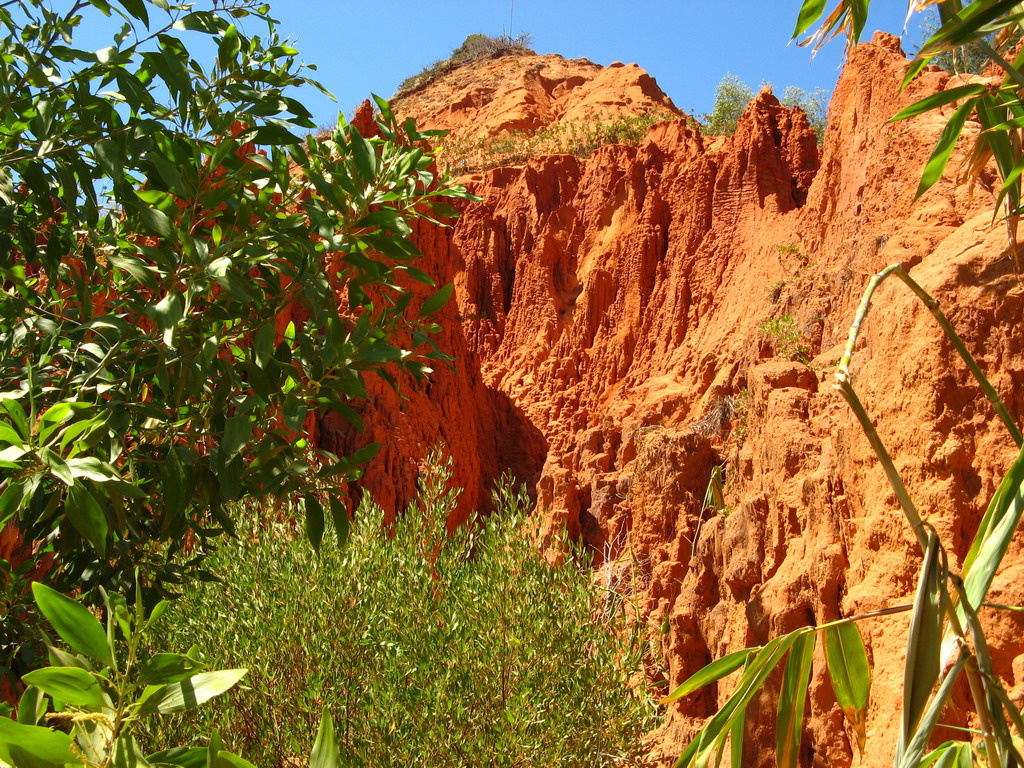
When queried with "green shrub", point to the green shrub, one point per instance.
{"points": [[475, 47], [426, 649], [788, 339], [813, 103], [579, 138], [731, 97]]}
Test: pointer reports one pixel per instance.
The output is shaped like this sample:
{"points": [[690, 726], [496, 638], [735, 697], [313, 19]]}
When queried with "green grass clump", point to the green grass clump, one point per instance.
{"points": [[427, 649], [578, 138]]}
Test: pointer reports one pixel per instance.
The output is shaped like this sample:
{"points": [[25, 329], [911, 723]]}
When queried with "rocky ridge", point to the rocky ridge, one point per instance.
{"points": [[606, 329]]}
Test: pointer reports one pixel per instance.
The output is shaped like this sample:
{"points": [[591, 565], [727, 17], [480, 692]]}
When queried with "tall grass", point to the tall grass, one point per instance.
{"points": [[467, 650]]}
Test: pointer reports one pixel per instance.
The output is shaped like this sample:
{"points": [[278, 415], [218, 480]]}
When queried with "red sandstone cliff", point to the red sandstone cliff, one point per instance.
{"points": [[606, 330]]}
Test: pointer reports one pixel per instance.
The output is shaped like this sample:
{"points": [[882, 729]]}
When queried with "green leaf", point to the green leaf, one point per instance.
{"points": [[712, 738], [168, 313], [716, 670], [791, 701], [325, 748], [41, 745], [810, 12], [74, 623], [924, 640], [938, 99], [164, 668], [69, 685], [229, 760], [736, 733], [339, 513], [194, 757], [314, 520], [177, 477], [137, 8], [88, 517], [995, 532], [9, 435], [438, 300], [229, 47], [916, 746], [851, 676], [156, 221], [379, 352], [237, 431], [32, 706], [190, 693], [294, 412], [944, 148], [56, 465], [363, 155]]}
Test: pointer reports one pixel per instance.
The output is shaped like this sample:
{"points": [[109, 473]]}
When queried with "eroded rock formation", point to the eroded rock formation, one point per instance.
{"points": [[606, 326]]}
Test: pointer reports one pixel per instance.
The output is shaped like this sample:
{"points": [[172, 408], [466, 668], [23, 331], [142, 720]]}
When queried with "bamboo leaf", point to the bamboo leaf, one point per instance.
{"points": [[713, 736], [911, 756], [437, 301], [791, 701], [325, 748], [190, 693], [69, 685], [944, 148], [716, 670], [810, 12], [924, 640], [937, 100], [850, 674], [994, 533], [914, 70]]}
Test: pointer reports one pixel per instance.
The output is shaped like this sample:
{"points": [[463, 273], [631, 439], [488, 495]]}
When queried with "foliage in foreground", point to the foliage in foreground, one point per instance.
{"points": [[427, 649], [579, 138], [163, 345], [990, 31], [87, 706], [475, 47]]}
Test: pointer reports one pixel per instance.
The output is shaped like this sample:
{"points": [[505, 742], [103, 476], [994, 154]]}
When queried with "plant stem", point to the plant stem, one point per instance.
{"points": [[845, 388], [933, 306]]}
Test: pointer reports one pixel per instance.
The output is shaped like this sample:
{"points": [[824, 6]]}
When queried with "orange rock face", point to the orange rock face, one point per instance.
{"points": [[614, 344], [523, 93]]}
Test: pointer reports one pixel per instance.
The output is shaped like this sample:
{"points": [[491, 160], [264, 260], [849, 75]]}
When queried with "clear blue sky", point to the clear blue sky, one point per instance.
{"points": [[363, 46]]}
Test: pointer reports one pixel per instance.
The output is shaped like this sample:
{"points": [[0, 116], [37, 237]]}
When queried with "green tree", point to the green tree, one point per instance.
{"points": [[731, 97], [814, 104], [164, 343]]}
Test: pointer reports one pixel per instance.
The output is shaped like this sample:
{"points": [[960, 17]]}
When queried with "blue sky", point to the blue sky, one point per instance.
{"points": [[687, 45]]}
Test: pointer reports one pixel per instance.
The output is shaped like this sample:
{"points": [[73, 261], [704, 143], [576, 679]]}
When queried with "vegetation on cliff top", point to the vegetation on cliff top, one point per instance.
{"points": [[579, 138], [732, 96], [474, 48]]}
